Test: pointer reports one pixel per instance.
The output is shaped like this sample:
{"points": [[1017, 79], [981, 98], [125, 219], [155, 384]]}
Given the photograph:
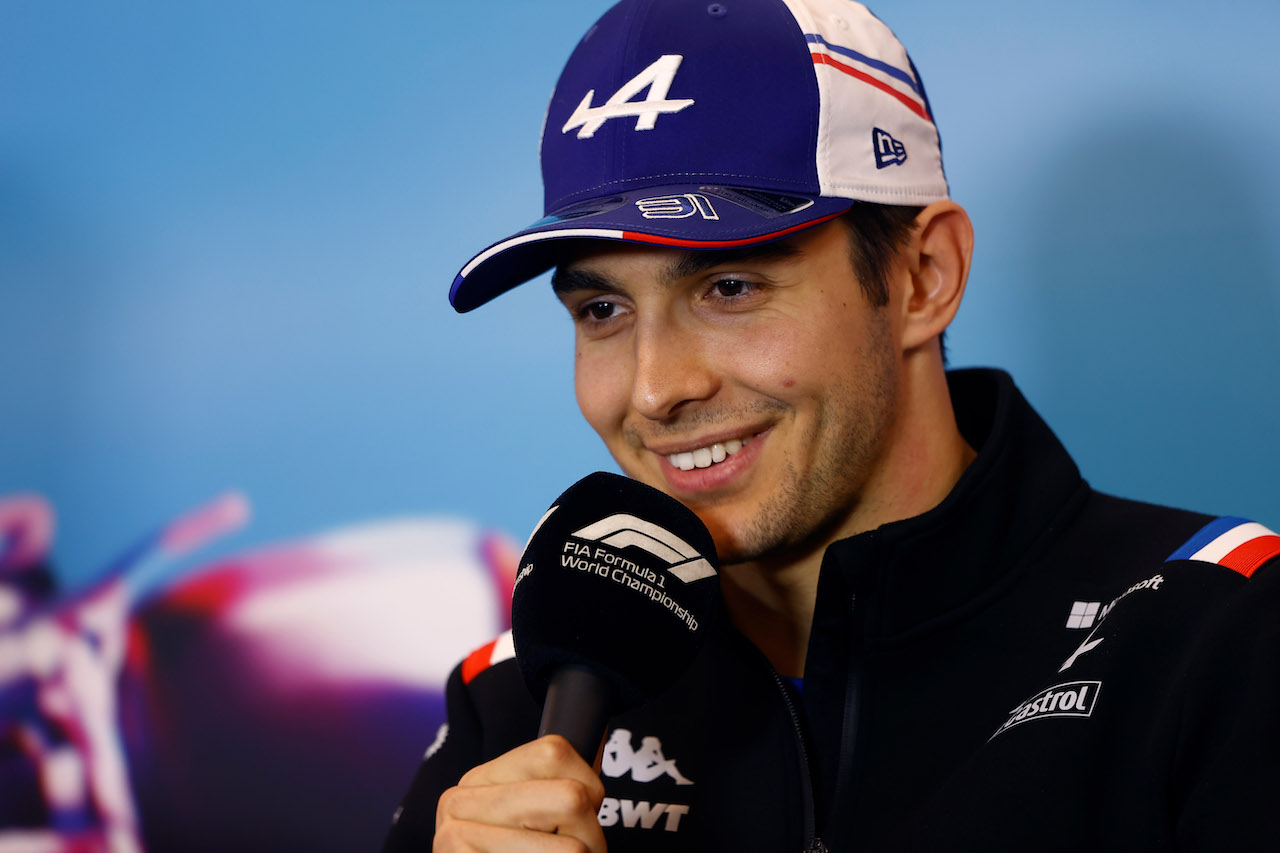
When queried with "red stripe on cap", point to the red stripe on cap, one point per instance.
{"points": [[637, 237], [1250, 556], [911, 104], [478, 661]]}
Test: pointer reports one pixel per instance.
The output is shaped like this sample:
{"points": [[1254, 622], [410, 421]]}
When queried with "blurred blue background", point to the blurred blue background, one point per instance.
{"points": [[227, 231]]}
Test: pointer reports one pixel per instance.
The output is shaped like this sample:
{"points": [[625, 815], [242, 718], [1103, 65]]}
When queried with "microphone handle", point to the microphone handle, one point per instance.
{"points": [[577, 707]]}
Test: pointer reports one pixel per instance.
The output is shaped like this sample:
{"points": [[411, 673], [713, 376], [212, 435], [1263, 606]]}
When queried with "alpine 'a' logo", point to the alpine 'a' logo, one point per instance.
{"points": [[622, 529], [656, 78]]}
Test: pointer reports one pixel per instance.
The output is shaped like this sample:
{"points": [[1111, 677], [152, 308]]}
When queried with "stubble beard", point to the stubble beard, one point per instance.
{"points": [[807, 509]]}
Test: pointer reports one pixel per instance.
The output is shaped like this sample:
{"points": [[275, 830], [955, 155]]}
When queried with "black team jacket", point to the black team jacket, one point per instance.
{"points": [[1030, 666]]}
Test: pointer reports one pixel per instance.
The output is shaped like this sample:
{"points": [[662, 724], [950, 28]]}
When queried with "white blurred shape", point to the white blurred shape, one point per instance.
{"points": [[396, 602]]}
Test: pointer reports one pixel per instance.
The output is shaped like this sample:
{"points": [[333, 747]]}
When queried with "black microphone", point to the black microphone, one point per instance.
{"points": [[616, 591]]}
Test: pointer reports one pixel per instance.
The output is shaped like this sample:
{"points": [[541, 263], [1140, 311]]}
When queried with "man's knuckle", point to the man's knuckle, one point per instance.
{"points": [[446, 806], [448, 836], [470, 777], [573, 796], [554, 750], [577, 797]]}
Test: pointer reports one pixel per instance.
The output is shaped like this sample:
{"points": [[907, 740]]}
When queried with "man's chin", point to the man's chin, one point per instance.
{"points": [[731, 545], [731, 535]]}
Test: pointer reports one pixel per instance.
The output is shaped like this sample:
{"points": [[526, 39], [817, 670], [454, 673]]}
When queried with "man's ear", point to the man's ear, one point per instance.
{"points": [[938, 259]]}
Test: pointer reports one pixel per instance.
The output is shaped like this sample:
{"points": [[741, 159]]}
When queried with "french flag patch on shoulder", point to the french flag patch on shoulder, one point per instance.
{"points": [[1235, 543], [495, 651]]}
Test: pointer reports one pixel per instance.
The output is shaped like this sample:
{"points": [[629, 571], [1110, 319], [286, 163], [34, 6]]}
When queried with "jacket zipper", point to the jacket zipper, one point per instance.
{"points": [[848, 734], [813, 844], [849, 725]]}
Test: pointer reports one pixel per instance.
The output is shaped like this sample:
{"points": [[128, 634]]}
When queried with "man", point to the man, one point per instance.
{"points": [[942, 638]]}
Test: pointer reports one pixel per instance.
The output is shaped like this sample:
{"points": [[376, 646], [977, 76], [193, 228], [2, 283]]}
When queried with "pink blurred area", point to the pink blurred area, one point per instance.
{"points": [[278, 699]]}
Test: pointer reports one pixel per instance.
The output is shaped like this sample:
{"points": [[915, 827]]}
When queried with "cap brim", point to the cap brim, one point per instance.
{"points": [[697, 217]]}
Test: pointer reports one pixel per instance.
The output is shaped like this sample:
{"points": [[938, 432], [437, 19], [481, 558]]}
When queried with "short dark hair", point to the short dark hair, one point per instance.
{"points": [[877, 232]]}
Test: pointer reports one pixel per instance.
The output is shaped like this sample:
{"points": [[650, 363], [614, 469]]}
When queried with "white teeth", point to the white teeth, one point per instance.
{"points": [[705, 457]]}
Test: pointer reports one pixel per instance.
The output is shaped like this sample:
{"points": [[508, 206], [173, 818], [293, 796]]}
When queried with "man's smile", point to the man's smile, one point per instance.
{"points": [[705, 457]]}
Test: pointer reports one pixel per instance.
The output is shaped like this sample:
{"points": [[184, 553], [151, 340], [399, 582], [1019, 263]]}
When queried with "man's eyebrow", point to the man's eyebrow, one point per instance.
{"points": [[692, 263], [567, 279]]}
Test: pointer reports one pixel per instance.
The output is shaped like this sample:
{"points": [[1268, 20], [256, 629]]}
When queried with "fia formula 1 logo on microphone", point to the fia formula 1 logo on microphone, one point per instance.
{"points": [[622, 530], [598, 549]]}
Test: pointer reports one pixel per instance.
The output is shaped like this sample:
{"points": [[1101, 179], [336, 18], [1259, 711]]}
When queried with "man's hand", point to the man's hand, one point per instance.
{"points": [[540, 797]]}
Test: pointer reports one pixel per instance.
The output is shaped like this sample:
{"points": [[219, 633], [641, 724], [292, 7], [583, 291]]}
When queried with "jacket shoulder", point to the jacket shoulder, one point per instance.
{"points": [[488, 712], [495, 693], [1111, 531], [1232, 542]]}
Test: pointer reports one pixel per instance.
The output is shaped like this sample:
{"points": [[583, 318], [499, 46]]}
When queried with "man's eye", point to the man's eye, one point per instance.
{"points": [[597, 311], [729, 288]]}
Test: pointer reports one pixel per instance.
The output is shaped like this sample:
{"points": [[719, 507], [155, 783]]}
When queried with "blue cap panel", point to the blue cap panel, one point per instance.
{"points": [[745, 66]]}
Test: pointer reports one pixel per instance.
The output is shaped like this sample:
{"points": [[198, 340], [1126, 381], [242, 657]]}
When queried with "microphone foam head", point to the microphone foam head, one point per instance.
{"points": [[618, 578]]}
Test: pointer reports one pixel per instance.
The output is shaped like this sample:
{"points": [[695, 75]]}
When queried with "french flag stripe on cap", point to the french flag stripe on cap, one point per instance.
{"points": [[822, 57], [897, 73], [1235, 543], [495, 651]]}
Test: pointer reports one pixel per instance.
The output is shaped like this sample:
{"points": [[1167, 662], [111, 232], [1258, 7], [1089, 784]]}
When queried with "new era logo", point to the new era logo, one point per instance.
{"points": [[889, 151], [1083, 614]]}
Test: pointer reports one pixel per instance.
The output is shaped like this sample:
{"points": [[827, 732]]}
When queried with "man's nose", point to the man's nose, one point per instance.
{"points": [[671, 369]]}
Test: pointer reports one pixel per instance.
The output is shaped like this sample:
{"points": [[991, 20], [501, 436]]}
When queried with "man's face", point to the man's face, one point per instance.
{"points": [[757, 386]]}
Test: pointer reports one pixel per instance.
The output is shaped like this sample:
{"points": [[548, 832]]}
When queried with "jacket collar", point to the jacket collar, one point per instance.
{"points": [[935, 567]]}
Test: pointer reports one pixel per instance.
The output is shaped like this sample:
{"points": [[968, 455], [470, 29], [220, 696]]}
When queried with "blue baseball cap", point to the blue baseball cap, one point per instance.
{"points": [[702, 125]]}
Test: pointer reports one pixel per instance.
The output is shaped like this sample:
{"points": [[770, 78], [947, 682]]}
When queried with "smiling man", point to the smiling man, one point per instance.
{"points": [[940, 638], [766, 390]]}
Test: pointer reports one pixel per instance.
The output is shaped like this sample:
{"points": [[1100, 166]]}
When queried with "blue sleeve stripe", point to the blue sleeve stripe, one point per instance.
{"points": [[1206, 534]]}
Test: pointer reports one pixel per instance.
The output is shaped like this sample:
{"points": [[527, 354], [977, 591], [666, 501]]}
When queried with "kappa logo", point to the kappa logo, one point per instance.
{"points": [[644, 764], [622, 529], [677, 207], [657, 78], [889, 151], [1072, 699]]}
